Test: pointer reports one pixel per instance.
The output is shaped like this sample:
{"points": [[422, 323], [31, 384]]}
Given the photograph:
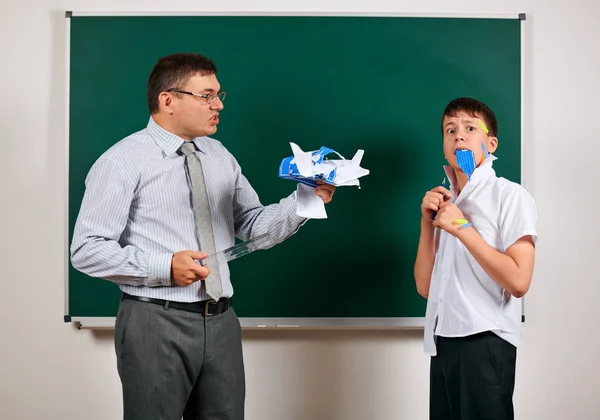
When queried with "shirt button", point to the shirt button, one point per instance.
{"points": [[445, 277], [441, 300]]}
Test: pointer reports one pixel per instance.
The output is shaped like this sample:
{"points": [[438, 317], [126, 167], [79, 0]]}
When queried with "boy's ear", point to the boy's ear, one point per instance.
{"points": [[493, 144]]}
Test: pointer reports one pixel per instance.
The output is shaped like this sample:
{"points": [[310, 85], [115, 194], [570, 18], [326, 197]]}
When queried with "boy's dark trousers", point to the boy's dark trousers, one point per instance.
{"points": [[472, 378]]}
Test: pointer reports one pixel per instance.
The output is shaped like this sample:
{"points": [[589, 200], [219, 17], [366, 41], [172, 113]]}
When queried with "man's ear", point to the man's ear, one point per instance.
{"points": [[165, 102], [492, 144]]}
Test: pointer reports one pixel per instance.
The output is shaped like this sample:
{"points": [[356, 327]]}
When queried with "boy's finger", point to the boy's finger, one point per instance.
{"points": [[434, 199], [445, 192], [434, 195]]}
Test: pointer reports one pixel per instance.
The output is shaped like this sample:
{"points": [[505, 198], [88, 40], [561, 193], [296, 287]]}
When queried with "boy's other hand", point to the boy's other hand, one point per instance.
{"points": [[446, 218], [432, 200]]}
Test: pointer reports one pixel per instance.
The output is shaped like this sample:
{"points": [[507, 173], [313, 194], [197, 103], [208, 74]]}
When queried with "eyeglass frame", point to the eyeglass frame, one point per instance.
{"points": [[205, 96]]}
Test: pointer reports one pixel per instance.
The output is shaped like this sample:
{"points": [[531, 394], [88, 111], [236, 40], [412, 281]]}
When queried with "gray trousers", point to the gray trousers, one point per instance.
{"points": [[175, 363]]}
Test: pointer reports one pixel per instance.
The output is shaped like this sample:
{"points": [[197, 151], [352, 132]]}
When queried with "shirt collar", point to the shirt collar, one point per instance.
{"points": [[482, 172], [167, 141]]}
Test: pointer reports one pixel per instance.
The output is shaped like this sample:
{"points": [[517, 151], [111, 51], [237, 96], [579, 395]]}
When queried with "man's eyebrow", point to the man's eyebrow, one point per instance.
{"points": [[449, 123]]}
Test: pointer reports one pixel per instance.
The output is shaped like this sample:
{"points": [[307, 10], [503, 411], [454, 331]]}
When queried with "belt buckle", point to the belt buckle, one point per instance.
{"points": [[208, 302]]}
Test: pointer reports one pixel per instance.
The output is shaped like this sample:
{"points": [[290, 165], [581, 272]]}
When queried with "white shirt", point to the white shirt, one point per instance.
{"points": [[463, 298]]}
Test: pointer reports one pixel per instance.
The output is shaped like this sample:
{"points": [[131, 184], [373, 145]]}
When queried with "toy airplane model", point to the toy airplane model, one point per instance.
{"points": [[308, 167]]}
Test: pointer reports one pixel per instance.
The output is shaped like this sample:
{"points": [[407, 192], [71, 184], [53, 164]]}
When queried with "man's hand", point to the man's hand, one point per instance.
{"points": [[432, 201], [185, 270], [325, 191], [446, 218]]}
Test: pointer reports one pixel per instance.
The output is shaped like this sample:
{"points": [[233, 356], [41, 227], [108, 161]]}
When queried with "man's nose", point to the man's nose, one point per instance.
{"points": [[217, 105]]}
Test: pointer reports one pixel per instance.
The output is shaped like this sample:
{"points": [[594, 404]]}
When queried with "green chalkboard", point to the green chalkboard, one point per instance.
{"points": [[373, 83]]}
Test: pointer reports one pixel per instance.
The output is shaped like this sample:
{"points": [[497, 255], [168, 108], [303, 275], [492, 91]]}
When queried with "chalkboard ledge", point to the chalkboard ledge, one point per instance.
{"points": [[376, 323]]}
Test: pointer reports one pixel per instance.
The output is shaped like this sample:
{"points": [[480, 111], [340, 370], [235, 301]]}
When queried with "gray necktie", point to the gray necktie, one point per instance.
{"points": [[204, 228]]}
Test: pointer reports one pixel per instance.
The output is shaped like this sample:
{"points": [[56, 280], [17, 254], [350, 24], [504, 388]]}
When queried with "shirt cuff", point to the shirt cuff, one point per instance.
{"points": [[291, 205], [159, 270]]}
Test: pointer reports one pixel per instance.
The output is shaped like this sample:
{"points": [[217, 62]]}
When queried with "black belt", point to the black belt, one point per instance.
{"points": [[206, 307]]}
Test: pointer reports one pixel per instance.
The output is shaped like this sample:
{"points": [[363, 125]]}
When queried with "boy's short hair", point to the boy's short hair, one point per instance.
{"points": [[474, 108], [173, 71]]}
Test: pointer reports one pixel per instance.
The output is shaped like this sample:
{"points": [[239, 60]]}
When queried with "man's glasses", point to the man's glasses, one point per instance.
{"points": [[207, 97]]}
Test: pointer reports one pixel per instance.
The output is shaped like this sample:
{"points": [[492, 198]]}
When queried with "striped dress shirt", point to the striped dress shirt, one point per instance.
{"points": [[137, 212]]}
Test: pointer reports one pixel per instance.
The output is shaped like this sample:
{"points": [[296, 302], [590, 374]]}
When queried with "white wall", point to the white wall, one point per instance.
{"points": [[50, 370]]}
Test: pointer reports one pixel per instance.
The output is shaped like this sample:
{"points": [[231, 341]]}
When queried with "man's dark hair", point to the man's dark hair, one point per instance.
{"points": [[173, 71], [475, 109]]}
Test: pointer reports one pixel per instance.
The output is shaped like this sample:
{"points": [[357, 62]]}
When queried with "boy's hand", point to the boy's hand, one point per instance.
{"points": [[446, 218], [432, 200]]}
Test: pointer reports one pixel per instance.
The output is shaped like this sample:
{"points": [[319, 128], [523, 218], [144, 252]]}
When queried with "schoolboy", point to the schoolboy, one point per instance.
{"points": [[474, 263]]}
